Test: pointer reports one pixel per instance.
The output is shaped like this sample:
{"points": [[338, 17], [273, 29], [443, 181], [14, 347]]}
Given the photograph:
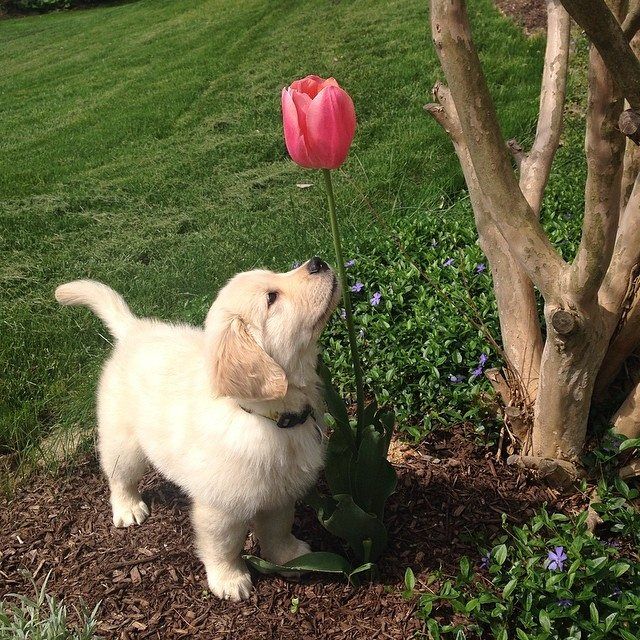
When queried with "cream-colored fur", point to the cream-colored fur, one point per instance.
{"points": [[171, 395]]}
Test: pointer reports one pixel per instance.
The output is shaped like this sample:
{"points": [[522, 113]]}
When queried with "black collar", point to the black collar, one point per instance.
{"points": [[286, 420]]}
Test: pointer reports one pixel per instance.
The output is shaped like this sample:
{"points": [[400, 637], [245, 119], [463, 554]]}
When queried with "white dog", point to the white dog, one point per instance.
{"points": [[229, 413]]}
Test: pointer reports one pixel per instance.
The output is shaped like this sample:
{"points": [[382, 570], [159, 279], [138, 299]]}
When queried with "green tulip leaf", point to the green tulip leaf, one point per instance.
{"points": [[316, 562], [338, 464], [369, 567], [374, 479], [387, 419], [323, 505], [369, 413], [349, 522], [335, 403]]}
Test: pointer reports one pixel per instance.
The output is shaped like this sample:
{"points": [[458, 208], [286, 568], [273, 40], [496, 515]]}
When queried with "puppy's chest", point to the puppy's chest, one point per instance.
{"points": [[287, 465]]}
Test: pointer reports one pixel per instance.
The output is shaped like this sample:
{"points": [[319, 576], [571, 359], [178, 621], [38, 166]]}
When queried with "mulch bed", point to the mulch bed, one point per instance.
{"points": [[151, 585], [531, 15]]}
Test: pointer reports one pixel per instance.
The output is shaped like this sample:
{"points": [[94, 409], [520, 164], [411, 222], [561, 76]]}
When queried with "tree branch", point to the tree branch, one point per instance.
{"points": [[536, 165], [615, 291], [627, 419], [515, 298], [631, 162], [603, 30], [618, 294], [487, 150], [631, 167], [625, 342], [604, 150], [631, 22]]}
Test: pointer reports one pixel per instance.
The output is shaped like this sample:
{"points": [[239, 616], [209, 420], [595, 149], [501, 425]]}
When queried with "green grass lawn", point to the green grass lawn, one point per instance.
{"points": [[141, 145]]}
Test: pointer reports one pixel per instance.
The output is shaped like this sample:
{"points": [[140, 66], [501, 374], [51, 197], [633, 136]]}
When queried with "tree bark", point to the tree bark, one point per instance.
{"points": [[619, 294], [604, 31], [604, 150], [630, 173], [572, 355], [631, 162], [627, 419], [535, 166], [631, 22]]}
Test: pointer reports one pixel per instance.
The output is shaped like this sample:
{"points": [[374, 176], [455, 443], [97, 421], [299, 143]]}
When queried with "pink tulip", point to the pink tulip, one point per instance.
{"points": [[319, 122]]}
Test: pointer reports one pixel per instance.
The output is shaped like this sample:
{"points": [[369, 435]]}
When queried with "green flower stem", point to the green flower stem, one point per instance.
{"points": [[355, 360]]}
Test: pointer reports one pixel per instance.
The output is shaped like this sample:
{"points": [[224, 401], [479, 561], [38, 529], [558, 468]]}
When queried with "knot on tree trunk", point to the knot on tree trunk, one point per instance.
{"points": [[629, 124], [564, 322]]}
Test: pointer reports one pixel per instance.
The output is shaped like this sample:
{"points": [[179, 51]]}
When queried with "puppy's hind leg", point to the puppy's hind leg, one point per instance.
{"points": [[124, 464]]}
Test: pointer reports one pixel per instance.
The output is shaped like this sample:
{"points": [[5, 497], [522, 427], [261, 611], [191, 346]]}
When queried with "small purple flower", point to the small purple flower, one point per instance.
{"points": [[556, 559], [349, 263], [479, 370], [485, 561], [361, 333], [565, 603], [295, 264], [614, 543], [480, 267], [448, 262], [456, 379], [375, 300], [617, 592], [611, 443], [357, 287], [343, 314]]}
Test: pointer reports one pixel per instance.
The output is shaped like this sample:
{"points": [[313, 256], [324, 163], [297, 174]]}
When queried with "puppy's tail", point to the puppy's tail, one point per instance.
{"points": [[108, 305]]}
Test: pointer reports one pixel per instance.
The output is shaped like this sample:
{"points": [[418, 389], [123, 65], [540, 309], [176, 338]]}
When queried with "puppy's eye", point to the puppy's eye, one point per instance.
{"points": [[272, 296]]}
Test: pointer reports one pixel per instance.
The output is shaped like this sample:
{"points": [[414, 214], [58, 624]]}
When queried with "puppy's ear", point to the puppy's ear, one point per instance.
{"points": [[242, 369]]}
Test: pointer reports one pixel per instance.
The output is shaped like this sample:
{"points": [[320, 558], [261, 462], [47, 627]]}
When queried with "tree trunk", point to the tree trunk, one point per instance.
{"points": [[575, 346]]}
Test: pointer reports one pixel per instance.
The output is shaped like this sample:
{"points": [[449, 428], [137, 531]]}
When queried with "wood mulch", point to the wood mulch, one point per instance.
{"points": [[531, 15], [451, 493]]}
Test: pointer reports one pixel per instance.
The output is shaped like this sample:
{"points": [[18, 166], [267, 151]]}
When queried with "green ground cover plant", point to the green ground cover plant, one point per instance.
{"points": [[138, 147], [548, 579]]}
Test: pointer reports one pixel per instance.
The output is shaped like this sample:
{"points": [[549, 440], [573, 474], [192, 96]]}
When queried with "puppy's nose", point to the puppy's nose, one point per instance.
{"points": [[315, 265]]}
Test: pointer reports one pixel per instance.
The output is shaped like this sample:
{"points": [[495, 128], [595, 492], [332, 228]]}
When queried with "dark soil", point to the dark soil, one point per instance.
{"points": [[450, 495], [531, 15]]}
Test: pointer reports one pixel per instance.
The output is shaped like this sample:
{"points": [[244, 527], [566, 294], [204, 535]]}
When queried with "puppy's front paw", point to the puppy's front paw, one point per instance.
{"points": [[233, 584], [126, 513]]}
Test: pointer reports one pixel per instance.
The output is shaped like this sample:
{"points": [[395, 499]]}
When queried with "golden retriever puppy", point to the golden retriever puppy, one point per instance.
{"points": [[230, 413]]}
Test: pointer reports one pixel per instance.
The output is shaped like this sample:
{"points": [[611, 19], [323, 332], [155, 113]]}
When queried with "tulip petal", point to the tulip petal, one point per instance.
{"points": [[312, 85], [293, 135], [329, 82], [309, 85], [331, 125], [302, 102]]}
